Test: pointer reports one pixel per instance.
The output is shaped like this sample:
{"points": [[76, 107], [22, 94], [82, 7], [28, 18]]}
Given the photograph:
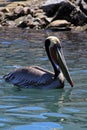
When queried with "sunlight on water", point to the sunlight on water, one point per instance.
{"points": [[42, 126], [30, 109]]}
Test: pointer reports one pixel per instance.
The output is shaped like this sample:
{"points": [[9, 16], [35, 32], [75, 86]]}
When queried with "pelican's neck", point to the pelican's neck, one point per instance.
{"points": [[55, 67]]}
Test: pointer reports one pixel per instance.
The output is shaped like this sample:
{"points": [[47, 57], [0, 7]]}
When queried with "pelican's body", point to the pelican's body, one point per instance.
{"points": [[36, 77]]}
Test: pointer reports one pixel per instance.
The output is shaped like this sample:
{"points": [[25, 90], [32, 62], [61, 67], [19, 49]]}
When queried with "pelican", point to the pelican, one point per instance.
{"points": [[36, 77]]}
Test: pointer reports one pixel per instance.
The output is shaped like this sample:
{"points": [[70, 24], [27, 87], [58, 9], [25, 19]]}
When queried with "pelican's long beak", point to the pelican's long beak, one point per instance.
{"points": [[62, 65]]}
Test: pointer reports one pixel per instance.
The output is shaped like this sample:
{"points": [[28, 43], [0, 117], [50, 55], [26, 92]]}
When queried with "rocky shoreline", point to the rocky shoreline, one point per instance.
{"points": [[63, 15]]}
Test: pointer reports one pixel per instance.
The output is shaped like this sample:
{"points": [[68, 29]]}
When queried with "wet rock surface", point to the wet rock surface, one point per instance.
{"points": [[63, 15]]}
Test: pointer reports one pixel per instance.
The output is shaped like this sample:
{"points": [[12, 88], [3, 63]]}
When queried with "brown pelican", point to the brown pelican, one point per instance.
{"points": [[36, 77]]}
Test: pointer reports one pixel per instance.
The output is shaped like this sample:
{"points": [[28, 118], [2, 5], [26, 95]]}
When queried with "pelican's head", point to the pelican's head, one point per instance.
{"points": [[55, 54]]}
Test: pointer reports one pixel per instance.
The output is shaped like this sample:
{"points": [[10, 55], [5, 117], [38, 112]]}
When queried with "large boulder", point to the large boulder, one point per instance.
{"points": [[83, 5], [66, 10]]}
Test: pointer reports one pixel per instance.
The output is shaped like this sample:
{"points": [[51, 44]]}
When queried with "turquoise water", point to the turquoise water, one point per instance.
{"points": [[30, 109]]}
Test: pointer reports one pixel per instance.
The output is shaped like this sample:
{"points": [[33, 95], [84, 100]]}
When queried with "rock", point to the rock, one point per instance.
{"points": [[0, 25], [39, 11], [64, 11], [26, 10], [19, 20], [32, 12], [19, 10], [83, 6], [78, 18], [31, 24], [38, 23], [67, 11], [28, 17], [15, 4], [42, 17], [2, 17], [24, 4], [11, 24], [51, 9], [16, 13], [56, 16], [10, 16], [24, 22], [80, 28], [59, 25], [4, 10], [29, 20], [1, 14]]}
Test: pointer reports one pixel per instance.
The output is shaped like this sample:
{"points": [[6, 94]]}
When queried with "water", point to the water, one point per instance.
{"points": [[30, 109]]}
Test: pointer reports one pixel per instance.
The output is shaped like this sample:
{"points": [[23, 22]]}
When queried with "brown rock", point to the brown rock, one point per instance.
{"points": [[59, 25], [19, 10], [11, 24], [40, 15], [10, 16], [19, 20], [1, 14], [26, 10], [24, 22], [80, 28], [31, 24], [32, 12], [2, 17], [5, 10], [39, 10], [15, 4]]}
